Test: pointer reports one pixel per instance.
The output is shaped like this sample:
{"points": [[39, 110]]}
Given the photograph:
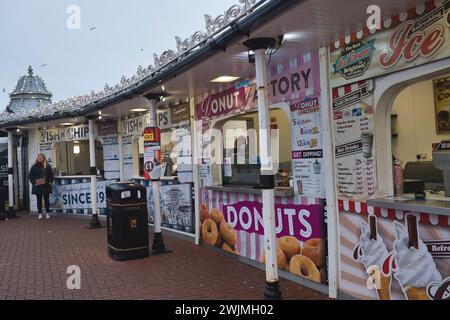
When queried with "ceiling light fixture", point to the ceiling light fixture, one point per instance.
{"points": [[292, 36], [225, 79], [138, 110]]}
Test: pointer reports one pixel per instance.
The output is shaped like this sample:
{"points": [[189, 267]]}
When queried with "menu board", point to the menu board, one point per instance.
{"points": [[355, 141], [111, 157], [307, 154], [127, 147], [183, 150]]}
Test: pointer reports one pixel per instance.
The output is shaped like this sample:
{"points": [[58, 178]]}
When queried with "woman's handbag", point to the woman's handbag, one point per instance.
{"points": [[41, 182]]}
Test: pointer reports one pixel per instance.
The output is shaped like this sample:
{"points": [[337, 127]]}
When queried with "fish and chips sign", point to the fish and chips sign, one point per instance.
{"points": [[411, 43], [74, 133]]}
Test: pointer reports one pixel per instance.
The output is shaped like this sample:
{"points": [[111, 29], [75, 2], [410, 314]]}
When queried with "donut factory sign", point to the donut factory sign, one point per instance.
{"points": [[412, 42], [291, 81]]}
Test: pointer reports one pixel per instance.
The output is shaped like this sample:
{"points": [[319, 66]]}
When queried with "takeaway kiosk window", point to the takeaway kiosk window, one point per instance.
{"points": [[72, 158], [420, 131], [176, 149], [240, 155]]}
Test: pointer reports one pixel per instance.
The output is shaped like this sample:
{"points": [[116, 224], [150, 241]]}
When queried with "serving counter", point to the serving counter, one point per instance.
{"points": [[434, 204]]}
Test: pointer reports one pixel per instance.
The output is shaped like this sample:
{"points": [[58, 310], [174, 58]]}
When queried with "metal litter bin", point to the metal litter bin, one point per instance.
{"points": [[127, 223]]}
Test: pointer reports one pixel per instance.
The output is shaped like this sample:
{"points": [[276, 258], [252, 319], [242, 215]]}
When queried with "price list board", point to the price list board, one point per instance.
{"points": [[307, 150], [354, 132]]}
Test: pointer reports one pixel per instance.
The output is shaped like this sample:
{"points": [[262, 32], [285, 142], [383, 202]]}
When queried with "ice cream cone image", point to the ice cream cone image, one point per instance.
{"points": [[384, 290], [372, 252], [416, 268], [416, 293]]}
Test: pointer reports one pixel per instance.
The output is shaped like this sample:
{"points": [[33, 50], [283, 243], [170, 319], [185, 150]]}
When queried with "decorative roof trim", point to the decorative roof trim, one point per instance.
{"points": [[214, 26]]}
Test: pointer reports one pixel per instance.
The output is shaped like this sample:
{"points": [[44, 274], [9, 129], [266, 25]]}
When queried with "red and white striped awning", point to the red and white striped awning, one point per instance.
{"points": [[361, 208], [353, 87], [387, 24]]}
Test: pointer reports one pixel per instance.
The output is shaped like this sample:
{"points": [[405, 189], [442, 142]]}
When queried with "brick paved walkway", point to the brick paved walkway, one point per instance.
{"points": [[34, 256]]}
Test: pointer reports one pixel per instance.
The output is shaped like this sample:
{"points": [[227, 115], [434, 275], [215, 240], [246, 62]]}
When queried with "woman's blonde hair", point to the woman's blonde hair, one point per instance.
{"points": [[45, 159]]}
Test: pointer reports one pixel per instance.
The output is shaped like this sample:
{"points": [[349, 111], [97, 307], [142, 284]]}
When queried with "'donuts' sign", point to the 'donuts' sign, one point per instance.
{"points": [[412, 42]]}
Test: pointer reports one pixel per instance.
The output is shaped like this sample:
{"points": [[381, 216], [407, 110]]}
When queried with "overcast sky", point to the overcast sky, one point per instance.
{"points": [[127, 34]]}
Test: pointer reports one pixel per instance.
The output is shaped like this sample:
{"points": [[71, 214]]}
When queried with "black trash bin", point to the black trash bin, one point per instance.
{"points": [[127, 221]]}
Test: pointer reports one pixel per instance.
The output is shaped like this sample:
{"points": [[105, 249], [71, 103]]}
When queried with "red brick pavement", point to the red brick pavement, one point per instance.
{"points": [[34, 256]]}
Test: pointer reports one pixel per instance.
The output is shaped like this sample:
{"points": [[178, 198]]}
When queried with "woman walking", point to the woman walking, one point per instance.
{"points": [[41, 177]]}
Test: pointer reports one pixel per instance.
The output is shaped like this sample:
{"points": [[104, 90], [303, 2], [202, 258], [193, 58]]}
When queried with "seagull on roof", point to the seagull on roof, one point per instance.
{"points": [[92, 28]]}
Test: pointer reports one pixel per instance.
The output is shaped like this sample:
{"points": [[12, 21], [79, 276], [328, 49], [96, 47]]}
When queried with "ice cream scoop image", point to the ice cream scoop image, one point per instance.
{"points": [[415, 268], [372, 252]]}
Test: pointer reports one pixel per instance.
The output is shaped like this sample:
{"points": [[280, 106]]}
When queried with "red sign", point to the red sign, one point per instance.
{"points": [[222, 103], [152, 153], [409, 45]]}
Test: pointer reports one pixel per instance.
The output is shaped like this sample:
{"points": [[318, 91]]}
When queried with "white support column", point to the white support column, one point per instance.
{"points": [[330, 183], [120, 140], [267, 177], [95, 222], [158, 246], [195, 172], [11, 213], [155, 183]]}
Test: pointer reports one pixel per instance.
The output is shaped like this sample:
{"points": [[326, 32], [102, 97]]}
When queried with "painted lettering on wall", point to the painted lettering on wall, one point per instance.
{"points": [[301, 221]]}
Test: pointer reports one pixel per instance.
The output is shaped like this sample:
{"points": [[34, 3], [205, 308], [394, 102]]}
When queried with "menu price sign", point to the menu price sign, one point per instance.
{"points": [[152, 153], [354, 139], [307, 152]]}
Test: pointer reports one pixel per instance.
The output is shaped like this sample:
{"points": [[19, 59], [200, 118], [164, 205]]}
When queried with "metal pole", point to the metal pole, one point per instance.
{"points": [[95, 222], [11, 213], [330, 183], [267, 178], [195, 172], [158, 246]]}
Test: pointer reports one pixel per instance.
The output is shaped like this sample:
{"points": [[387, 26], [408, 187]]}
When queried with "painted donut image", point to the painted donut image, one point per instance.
{"points": [[290, 245], [210, 233], [219, 240], [204, 212], [228, 233], [217, 216], [230, 249], [314, 249], [304, 267], [281, 259]]}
